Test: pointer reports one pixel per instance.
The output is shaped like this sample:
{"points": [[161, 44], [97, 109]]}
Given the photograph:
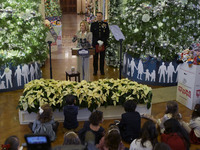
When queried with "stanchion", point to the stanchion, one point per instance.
{"points": [[49, 42]]}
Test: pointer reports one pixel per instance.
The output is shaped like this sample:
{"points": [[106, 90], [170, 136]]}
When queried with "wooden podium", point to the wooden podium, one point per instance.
{"points": [[83, 64]]}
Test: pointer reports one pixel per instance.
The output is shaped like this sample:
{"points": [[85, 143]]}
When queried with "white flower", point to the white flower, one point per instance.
{"points": [[160, 24], [145, 18], [136, 30]]}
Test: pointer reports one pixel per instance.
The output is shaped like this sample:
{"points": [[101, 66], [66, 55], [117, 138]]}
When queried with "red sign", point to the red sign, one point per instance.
{"points": [[198, 93], [185, 91]]}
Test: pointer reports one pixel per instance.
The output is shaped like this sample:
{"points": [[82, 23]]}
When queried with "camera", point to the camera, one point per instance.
{"points": [[37, 142]]}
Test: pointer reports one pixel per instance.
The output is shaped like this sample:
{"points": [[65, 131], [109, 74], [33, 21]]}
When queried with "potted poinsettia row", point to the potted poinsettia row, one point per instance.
{"points": [[91, 95]]}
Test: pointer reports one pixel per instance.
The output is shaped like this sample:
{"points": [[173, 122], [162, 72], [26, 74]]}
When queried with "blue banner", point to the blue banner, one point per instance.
{"points": [[150, 71]]}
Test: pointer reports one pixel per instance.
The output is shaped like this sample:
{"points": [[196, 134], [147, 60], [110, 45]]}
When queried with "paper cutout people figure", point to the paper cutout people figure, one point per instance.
{"points": [[133, 66], [32, 72], [36, 70], [18, 73], [140, 70], [153, 76], [147, 75], [2, 85], [25, 73], [177, 69], [162, 71], [169, 72], [8, 74], [124, 63], [128, 65]]}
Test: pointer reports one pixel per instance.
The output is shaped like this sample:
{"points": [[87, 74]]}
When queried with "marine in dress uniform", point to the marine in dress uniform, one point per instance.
{"points": [[100, 31]]}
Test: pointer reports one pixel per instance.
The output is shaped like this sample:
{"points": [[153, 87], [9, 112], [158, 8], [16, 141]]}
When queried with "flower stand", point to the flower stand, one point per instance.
{"points": [[110, 112]]}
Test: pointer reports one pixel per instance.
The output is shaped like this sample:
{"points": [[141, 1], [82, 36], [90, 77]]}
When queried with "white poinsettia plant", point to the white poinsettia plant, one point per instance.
{"points": [[91, 95]]}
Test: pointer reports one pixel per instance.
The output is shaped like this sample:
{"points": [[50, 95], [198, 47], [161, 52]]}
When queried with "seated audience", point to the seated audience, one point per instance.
{"points": [[71, 138], [71, 142], [171, 112], [93, 125], [112, 140], [45, 123], [70, 113], [130, 122], [148, 137], [161, 146], [175, 135], [11, 143], [193, 128]]}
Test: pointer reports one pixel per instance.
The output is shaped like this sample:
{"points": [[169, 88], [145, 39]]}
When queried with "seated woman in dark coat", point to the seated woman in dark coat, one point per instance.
{"points": [[93, 125]]}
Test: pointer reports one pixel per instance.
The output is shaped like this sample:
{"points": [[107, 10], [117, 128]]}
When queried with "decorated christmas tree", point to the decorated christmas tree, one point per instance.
{"points": [[52, 8], [22, 32], [112, 51], [160, 28]]}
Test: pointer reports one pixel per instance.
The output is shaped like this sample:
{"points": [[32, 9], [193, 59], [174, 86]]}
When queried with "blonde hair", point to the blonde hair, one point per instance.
{"points": [[86, 25], [71, 138]]}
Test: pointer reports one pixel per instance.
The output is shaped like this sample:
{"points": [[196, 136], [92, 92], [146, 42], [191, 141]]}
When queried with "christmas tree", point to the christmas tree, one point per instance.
{"points": [[52, 8], [160, 28], [22, 32], [112, 50]]}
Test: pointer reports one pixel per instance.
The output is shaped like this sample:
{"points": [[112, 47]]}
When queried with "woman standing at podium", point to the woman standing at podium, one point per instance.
{"points": [[84, 40]]}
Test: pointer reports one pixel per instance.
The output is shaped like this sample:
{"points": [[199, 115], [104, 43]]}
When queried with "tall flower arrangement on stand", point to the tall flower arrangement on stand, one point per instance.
{"points": [[22, 32], [112, 50], [160, 28]]}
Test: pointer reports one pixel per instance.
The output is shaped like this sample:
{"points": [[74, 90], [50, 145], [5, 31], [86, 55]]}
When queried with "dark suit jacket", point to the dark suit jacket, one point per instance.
{"points": [[130, 126], [100, 31]]}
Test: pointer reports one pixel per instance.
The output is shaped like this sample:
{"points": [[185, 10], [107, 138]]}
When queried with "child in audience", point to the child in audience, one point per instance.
{"points": [[45, 124], [148, 137], [70, 113], [175, 135], [71, 142], [93, 125], [193, 128], [130, 122], [171, 112], [112, 140], [161, 146], [11, 143], [71, 138]]}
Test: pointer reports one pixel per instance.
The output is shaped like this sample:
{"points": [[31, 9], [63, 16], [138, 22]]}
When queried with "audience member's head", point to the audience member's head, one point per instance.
{"points": [[113, 138], [172, 108], [45, 113], [11, 143], [130, 105], [196, 111], [96, 118], [173, 126], [71, 138], [161, 146], [70, 99], [149, 132]]}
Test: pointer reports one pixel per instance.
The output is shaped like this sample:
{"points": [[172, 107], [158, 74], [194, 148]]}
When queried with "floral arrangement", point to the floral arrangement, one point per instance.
{"points": [[94, 94], [191, 56], [52, 8], [22, 32]]}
